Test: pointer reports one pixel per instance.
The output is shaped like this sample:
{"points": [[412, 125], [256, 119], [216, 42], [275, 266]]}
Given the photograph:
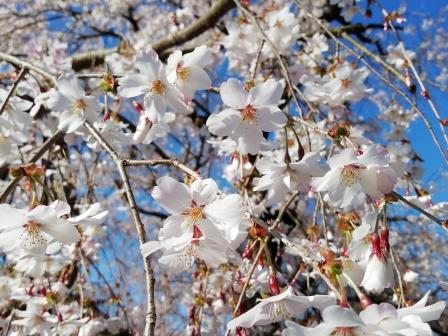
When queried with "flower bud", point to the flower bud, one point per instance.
{"points": [[143, 127], [248, 252], [273, 284]]}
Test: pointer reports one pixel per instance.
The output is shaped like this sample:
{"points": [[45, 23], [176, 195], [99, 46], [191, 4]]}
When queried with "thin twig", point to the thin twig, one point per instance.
{"points": [[42, 150], [20, 76], [23, 64], [442, 223]]}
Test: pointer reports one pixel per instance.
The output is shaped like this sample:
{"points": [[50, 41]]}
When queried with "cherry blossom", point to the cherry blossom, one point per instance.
{"points": [[151, 81], [186, 71], [278, 307], [249, 113], [75, 106], [351, 172], [31, 229]]}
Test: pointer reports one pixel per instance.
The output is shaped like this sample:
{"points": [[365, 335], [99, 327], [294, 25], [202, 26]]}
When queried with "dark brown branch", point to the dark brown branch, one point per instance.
{"points": [[205, 22]]}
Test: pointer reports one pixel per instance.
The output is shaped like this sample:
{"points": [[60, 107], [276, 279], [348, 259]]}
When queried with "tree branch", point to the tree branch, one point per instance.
{"points": [[202, 24]]}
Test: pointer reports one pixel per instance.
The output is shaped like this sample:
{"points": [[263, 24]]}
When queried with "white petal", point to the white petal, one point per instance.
{"points": [[70, 87], [337, 316], [133, 85], [254, 316], [223, 123], [174, 99], [233, 94], [150, 247], [172, 195], [344, 157], [268, 93], [200, 56], [270, 119], [197, 79], [204, 191], [57, 101], [368, 181], [149, 64], [64, 231], [70, 121], [294, 329], [249, 138]]}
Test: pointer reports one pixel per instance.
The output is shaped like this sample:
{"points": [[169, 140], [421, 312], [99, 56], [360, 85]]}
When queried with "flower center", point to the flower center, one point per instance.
{"points": [[33, 235], [346, 83], [182, 73], [343, 331], [350, 174], [79, 104], [195, 214], [249, 113], [278, 311], [278, 24], [157, 87]]}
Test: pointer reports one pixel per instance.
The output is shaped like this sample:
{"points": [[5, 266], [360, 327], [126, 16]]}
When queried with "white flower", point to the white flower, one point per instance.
{"points": [[201, 223], [350, 174], [32, 229], [187, 71], [282, 30], [396, 57], [250, 113], [280, 178], [33, 320], [382, 319], [36, 264], [71, 100], [347, 85], [151, 81], [276, 308], [379, 274], [182, 245], [404, 321], [379, 271], [337, 320]]}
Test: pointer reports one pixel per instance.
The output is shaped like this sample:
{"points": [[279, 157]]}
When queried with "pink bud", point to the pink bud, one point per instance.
{"points": [[376, 245]]}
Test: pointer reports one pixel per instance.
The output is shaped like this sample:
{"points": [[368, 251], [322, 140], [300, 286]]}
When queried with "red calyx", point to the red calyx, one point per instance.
{"points": [[273, 284], [384, 242], [138, 107], [376, 245], [248, 252], [241, 332], [42, 291]]}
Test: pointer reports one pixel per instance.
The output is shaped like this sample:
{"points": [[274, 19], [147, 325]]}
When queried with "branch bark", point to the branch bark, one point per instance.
{"points": [[202, 24]]}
